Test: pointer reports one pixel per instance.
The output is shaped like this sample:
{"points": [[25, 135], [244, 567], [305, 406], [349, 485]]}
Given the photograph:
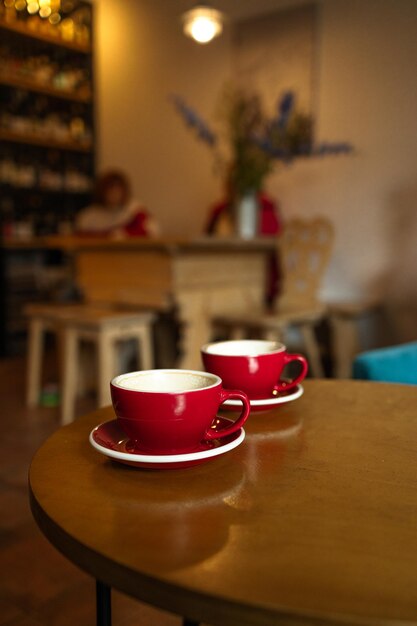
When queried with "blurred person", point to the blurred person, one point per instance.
{"points": [[114, 213]]}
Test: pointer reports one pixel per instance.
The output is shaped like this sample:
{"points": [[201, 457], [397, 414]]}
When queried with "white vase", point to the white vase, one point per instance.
{"points": [[247, 216]]}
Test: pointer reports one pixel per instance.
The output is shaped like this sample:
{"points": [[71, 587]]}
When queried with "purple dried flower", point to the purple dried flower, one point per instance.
{"points": [[285, 106], [193, 120]]}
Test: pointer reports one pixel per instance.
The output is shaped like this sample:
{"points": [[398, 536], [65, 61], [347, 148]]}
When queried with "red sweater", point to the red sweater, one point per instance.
{"points": [[136, 227]]}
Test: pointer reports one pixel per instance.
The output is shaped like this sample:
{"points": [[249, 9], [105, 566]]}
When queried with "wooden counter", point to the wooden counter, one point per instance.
{"points": [[74, 244], [198, 278]]}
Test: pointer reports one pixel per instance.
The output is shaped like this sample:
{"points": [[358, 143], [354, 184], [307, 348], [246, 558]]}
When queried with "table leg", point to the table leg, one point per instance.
{"points": [[69, 376], [193, 312], [35, 358], [103, 604]]}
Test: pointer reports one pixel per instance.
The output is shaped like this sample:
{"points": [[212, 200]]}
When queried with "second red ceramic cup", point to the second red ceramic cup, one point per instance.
{"points": [[255, 366]]}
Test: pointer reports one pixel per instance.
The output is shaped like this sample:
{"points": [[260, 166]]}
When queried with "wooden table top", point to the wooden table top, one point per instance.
{"points": [[312, 519], [74, 243]]}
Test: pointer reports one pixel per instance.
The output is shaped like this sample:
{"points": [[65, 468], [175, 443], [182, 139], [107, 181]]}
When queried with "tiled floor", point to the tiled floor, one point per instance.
{"points": [[37, 585]]}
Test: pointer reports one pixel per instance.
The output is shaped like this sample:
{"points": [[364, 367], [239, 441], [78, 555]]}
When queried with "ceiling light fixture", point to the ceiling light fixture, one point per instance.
{"points": [[202, 23]]}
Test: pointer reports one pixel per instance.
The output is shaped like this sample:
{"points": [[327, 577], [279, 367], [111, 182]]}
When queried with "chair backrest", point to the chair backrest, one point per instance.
{"points": [[305, 249]]}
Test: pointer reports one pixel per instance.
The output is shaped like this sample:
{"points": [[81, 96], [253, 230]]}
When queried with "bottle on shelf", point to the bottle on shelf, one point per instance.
{"points": [[25, 114], [54, 172], [45, 66], [70, 23], [25, 173], [7, 168]]}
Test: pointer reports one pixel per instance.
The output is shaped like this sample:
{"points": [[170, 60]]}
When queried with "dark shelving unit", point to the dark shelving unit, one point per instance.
{"points": [[47, 149]]}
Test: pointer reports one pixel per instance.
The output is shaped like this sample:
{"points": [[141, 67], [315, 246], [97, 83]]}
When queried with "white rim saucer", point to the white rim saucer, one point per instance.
{"points": [[238, 437], [293, 394]]}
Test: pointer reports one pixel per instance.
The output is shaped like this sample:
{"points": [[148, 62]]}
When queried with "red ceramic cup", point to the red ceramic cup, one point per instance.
{"points": [[252, 365], [172, 411]]}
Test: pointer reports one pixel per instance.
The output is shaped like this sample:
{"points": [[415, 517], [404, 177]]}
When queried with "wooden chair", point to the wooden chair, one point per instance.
{"points": [[305, 248], [76, 322]]}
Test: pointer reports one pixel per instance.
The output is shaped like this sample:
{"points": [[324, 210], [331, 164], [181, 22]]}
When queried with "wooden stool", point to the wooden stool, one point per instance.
{"points": [[73, 323]]}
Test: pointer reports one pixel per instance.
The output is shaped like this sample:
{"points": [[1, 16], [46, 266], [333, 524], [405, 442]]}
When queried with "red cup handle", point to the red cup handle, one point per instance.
{"points": [[283, 385], [213, 433]]}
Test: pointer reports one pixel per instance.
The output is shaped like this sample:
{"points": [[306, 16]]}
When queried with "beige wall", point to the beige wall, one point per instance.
{"points": [[275, 53], [366, 93], [142, 57]]}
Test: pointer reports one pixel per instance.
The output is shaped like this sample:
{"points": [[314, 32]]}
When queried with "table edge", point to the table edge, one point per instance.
{"points": [[174, 598]]}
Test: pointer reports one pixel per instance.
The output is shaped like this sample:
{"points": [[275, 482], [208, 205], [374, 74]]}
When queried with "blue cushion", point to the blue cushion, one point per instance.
{"points": [[396, 364]]}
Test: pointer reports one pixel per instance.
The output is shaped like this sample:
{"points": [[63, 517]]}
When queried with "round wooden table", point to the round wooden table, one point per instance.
{"points": [[313, 519]]}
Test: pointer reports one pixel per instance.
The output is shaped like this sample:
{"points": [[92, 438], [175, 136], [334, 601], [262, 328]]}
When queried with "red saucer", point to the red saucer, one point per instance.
{"points": [[109, 439]]}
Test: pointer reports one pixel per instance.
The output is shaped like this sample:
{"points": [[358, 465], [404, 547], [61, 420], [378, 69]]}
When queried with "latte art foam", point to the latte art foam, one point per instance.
{"points": [[168, 382], [244, 347]]}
